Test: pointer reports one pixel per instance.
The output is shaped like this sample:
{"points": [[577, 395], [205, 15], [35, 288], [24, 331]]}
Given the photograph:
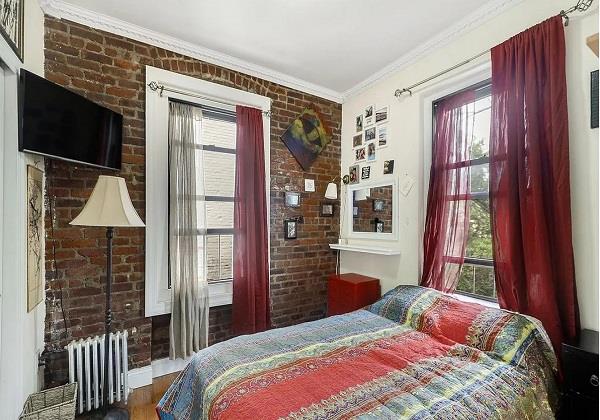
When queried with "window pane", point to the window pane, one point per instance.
{"points": [[212, 257], [219, 174], [480, 178], [219, 257], [218, 133], [226, 261], [481, 128], [479, 244], [477, 280], [219, 214]]}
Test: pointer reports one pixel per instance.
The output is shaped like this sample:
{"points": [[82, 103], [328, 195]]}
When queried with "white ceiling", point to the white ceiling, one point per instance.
{"points": [[332, 45]]}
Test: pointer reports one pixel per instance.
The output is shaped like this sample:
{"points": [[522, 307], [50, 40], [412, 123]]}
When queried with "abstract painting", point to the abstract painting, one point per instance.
{"points": [[306, 137], [11, 24], [35, 223]]}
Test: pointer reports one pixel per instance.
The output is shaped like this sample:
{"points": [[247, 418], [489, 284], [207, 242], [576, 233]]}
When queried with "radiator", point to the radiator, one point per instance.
{"points": [[86, 367]]}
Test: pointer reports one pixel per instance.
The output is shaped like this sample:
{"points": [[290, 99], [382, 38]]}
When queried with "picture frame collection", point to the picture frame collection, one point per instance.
{"points": [[371, 135]]}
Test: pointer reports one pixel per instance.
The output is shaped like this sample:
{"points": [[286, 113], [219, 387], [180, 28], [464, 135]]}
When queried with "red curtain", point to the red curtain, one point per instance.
{"points": [[251, 309], [447, 221], [529, 180]]}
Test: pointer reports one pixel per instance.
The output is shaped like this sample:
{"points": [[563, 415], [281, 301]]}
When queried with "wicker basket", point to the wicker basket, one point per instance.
{"points": [[52, 404]]}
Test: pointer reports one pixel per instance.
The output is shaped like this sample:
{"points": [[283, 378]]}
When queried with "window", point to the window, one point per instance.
{"points": [[476, 277]]}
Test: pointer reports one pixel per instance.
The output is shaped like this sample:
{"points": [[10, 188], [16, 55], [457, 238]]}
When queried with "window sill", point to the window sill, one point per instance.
{"points": [[471, 299]]}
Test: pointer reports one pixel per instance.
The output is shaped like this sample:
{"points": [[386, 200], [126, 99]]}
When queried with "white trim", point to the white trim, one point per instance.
{"points": [[475, 19], [144, 375], [140, 377], [365, 249], [157, 296], [63, 10]]}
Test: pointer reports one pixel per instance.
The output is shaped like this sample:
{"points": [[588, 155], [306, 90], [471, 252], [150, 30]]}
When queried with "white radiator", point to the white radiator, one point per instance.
{"points": [[86, 367]]}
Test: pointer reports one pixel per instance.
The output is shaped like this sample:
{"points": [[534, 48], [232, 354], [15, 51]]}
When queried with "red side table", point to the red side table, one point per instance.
{"points": [[349, 292]]}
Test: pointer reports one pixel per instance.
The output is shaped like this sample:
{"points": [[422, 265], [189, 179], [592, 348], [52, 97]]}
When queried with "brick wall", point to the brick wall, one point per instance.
{"points": [[109, 70]]}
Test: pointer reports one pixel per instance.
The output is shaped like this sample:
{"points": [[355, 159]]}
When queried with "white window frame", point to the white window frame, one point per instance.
{"points": [[157, 293]]}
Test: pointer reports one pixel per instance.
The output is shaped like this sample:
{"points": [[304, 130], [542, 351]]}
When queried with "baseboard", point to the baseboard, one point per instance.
{"points": [[143, 376]]}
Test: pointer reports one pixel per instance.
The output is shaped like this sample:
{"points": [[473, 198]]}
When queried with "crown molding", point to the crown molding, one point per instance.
{"points": [[63, 10], [463, 26]]}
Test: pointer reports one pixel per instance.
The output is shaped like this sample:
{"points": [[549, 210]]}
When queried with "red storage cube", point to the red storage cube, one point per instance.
{"points": [[349, 292]]}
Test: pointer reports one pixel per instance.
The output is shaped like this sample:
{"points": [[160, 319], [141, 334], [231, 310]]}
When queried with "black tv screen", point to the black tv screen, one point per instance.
{"points": [[60, 124]]}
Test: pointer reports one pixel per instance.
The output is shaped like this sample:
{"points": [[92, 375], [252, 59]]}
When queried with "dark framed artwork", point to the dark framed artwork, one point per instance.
{"points": [[11, 24], [365, 172], [378, 205], [292, 199], [388, 167], [327, 209], [290, 229], [379, 227], [594, 99], [355, 211], [306, 137]]}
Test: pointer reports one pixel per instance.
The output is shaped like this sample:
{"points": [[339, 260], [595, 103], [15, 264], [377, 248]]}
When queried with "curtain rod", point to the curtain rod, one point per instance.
{"points": [[581, 6], [154, 86]]}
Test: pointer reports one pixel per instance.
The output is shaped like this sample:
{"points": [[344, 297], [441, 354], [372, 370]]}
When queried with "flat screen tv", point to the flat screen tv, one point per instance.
{"points": [[60, 124]]}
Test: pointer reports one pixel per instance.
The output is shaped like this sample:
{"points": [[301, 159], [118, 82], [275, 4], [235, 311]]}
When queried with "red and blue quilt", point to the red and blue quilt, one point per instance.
{"points": [[415, 354]]}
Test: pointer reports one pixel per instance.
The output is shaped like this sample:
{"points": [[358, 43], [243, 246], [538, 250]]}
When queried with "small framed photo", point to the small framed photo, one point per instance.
{"points": [[369, 115], [327, 209], [357, 140], [290, 229], [378, 205], [11, 24], [371, 156], [365, 172], [355, 211], [379, 227], [360, 154], [292, 199], [359, 123], [381, 115], [369, 134], [354, 174], [388, 167], [382, 136]]}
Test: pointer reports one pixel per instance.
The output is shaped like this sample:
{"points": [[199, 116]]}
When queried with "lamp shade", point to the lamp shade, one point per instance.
{"points": [[109, 205], [331, 191]]}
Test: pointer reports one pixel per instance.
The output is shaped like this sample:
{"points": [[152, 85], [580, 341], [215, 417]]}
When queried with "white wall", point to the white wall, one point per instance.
{"points": [[409, 140], [21, 332]]}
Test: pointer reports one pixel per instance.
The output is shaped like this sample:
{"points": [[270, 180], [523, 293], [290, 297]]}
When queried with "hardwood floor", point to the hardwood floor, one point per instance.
{"points": [[142, 402]]}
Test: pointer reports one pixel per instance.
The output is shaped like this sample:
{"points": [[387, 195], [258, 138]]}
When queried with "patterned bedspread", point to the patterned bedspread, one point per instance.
{"points": [[416, 353]]}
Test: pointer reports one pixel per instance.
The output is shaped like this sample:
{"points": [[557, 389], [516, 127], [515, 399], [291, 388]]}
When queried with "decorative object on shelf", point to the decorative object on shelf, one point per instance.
{"points": [[354, 174], [594, 99], [381, 115], [359, 123], [357, 140], [290, 229], [388, 167], [109, 206], [306, 137], [369, 115], [365, 172], [11, 24], [382, 136], [369, 134], [309, 185], [360, 154], [378, 205], [35, 237], [292, 199], [371, 154], [327, 209]]}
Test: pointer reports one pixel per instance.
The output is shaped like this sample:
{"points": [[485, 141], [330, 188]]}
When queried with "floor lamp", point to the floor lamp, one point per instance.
{"points": [[109, 206]]}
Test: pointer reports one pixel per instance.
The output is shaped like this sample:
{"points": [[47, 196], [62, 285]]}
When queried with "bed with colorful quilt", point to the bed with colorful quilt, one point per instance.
{"points": [[416, 354]]}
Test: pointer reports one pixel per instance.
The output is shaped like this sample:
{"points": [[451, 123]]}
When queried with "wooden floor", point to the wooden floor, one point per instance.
{"points": [[142, 402]]}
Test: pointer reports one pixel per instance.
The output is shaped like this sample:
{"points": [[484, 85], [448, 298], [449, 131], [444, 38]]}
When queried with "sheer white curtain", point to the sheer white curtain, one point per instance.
{"points": [[189, 297]]}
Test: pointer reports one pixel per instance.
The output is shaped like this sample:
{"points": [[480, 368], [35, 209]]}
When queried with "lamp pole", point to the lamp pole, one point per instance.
{"points": [[108, 318]]}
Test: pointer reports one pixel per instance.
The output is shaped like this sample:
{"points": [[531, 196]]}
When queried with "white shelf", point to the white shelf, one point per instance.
{"points": [[365, 249]]}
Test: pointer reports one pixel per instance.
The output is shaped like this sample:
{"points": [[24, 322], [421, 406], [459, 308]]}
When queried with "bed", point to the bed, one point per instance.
{"points": [[416, 353]]}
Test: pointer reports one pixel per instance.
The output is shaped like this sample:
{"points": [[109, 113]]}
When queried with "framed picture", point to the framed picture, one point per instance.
{"points": [[379, 227], [290, 229], [369, 115], [382, 136], [355, 211], [354, 174], [306, 137], [327, 209], [369, 134], [381, 115], [365, 172], [371, 152], [360, 154], [359, 123], [11, 24], [388, 167], [357, 140], [35, 237], [292, 199], [378, 205]]}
